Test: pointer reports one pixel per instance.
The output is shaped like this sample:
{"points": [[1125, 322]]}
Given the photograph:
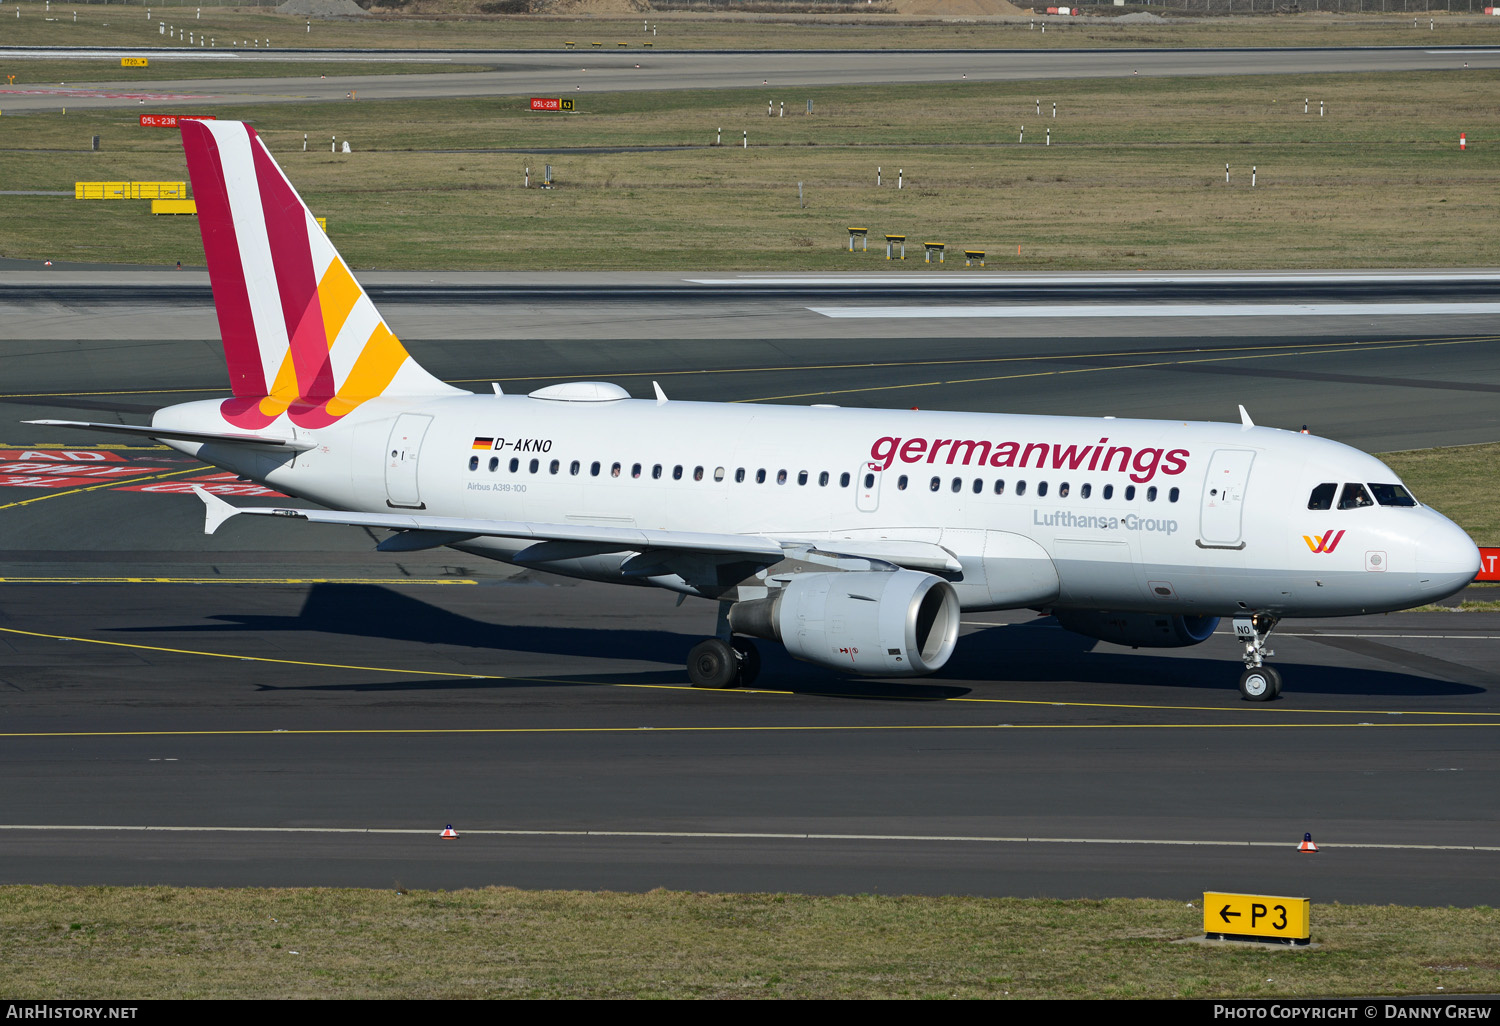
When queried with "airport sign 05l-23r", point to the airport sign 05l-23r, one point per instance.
{"points": [[1261, 917], [551, 103]]}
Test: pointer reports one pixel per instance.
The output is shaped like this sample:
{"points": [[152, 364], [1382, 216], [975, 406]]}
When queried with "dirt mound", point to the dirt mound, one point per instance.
{"points": [[592, 6], [323, 9], [958, 8]]}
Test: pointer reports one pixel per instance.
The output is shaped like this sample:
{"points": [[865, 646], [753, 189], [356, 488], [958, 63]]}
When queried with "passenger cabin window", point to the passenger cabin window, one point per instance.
{"points": [[760, 476], [978, 486], [823, 479], [1322, 496], [614, 471], [1086, 490], [1172, 495], [1000, 486], [936, 484], [1041, 488], [781, 477], [515, 465], [739, 476], [677, 472], [901, 483], [494, 464], [635, 470], [802, 477], [656, 472], [869, 481], [1392, 495], [698, 474], [594, 469], [534, 465], [473, 462], [1062, 490], [1109, 492], [1355, 496], [718, 473], [1151, 494], [575, 467], [1020, 487], [554, 466], [844, 479], [1129, 493]]}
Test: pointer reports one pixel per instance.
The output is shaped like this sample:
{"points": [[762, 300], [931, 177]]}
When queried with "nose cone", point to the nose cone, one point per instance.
{"points": [[1446, 558]]}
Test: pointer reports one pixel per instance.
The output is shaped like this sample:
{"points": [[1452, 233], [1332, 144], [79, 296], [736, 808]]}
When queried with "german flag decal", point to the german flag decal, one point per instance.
{"points": [[483, 443]]}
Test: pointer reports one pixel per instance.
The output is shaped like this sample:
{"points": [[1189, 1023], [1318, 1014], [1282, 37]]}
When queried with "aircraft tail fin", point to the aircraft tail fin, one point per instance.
{"points": [[301, 337]]}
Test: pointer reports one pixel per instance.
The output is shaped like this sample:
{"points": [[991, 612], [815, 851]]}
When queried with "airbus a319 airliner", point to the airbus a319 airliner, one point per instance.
{"points": [[855, 538]]}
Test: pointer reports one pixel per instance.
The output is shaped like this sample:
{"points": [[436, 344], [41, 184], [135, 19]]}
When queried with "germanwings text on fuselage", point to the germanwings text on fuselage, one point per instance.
{"points": [[1141, 464]]}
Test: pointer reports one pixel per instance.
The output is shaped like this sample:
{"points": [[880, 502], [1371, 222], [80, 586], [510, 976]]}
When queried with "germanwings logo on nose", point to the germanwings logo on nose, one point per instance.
{"points": [[1327, 543]]}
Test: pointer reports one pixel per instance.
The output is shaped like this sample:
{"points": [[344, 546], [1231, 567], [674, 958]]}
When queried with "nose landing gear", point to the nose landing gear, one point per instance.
{"points": [[1259, 682]]}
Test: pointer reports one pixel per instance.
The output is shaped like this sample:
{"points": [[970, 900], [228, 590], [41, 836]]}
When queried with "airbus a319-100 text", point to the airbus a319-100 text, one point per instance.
{"points": [[855, 538]]}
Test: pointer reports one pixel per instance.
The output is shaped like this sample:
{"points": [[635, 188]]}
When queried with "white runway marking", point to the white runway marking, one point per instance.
{"points": [[732, 835], [1242, 278], [1201, 310]]}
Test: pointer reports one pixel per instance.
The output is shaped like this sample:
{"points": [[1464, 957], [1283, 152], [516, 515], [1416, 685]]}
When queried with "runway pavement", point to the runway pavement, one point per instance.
{"points": [[305, 711], [575, 72]]}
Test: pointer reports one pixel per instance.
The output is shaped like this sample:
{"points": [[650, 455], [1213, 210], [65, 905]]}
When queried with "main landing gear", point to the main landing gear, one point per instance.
{"points": [[716, 663], [724, 661], [1259, 682]]}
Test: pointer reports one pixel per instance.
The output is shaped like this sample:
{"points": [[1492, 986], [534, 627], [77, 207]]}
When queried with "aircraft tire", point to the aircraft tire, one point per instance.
{"points": [[749, 661], [1260, 684], [713, 664]]}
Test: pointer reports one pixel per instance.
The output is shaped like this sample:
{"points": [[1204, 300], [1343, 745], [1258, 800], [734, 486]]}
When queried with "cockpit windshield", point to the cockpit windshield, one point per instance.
{"points": [[1392, 495], [1355, 496], [1322, 496]]}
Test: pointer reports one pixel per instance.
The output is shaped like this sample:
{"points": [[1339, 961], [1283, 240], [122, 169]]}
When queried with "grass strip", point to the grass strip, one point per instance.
{"points": [[156, 942], [1133, 178], [1459, 481], [460, 26]]}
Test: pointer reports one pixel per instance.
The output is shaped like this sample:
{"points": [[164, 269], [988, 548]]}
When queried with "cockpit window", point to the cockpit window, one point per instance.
{"points": [[1354, 497], [1322, 496], [1392, 495]]}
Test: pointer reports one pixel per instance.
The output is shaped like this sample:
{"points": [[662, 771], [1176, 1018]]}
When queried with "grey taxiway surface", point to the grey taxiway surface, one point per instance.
{"points": [[283, 706], [564, 73]]}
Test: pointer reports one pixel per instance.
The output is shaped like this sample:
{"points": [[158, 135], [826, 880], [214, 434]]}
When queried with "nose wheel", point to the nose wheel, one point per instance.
{"points": [[1259, 682]]}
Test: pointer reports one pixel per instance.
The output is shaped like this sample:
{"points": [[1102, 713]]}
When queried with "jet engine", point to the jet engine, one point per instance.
{"points": [[881, 624], [1138, 630]]}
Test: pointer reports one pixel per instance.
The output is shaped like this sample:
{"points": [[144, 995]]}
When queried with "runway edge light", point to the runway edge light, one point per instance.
{"points": [[1307, 844], [1263, 918], [449, 834]]}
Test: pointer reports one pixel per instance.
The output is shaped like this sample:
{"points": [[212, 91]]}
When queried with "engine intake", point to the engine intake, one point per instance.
{"points": [[1138, 630], [897, 624]]}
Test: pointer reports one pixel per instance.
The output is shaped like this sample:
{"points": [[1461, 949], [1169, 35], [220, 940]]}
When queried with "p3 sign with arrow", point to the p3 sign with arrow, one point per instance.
{"points": [[1260, 917]]}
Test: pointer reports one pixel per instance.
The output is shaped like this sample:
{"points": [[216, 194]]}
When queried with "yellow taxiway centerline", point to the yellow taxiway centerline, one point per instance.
{"points": [[1472, 719]]}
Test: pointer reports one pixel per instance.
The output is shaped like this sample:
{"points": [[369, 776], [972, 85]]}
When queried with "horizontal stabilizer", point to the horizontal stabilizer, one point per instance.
{"points": [[258, 441]]}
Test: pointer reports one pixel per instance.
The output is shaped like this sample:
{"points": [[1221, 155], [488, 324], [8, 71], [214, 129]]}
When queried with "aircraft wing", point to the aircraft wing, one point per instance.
{"points": [[259, 441], [423, 532], [444, 530]]}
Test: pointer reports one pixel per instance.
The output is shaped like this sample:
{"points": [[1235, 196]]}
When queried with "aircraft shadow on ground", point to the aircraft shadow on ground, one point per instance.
{"points": [[1033, 652]]}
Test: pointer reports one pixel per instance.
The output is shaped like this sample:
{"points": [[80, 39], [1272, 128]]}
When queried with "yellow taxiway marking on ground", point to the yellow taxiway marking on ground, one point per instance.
{"points": [[1296, 349], [237, 580], [1316, 350], [107, 484], [1469, 718], [111, 446]]}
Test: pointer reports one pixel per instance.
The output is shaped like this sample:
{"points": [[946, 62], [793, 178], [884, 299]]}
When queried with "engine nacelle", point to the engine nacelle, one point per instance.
{"points": [[1138, 630], [881, 624]]}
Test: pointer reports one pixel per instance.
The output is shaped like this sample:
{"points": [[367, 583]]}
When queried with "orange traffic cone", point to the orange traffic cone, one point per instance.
{"points": [[449, 834], [1307, 844]]}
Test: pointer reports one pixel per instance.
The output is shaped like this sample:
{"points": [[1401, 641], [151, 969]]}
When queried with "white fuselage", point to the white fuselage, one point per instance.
{"points": [[1048, 512]]}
